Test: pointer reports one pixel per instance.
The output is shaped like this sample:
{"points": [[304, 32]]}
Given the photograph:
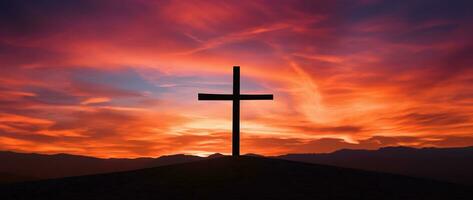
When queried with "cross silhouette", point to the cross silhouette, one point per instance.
{"points": [[235, 97]]}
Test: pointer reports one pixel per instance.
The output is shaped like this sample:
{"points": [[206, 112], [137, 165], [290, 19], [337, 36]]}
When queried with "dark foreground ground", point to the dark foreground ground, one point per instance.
{"points": [[243, 178]]}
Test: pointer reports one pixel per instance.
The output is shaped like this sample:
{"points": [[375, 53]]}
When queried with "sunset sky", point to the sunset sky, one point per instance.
{"points": [[119, 78]]}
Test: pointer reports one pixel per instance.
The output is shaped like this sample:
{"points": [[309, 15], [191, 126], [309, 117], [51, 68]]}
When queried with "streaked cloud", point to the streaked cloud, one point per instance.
{"points": [[120, 78]]}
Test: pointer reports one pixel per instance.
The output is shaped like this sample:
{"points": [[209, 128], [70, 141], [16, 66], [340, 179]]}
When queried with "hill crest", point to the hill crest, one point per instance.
{"points": [[242, 178]]}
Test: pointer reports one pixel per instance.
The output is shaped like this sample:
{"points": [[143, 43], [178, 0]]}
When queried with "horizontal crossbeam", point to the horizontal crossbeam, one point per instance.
{"points": [[256, 97], [229, 97], [215, 97]]}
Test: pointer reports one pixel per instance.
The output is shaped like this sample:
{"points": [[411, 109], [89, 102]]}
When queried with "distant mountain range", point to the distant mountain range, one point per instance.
{"points": [[445, 164], [28, 166], [241, 178]]}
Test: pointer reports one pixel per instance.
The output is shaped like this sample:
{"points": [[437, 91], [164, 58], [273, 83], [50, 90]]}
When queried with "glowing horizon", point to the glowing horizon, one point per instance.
{"points": [[120, 78]]}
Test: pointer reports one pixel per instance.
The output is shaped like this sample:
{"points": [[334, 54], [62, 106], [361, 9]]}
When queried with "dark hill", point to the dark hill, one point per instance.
{"points": [[24, 166], [243, 178], [11, 178], [446, 164]]}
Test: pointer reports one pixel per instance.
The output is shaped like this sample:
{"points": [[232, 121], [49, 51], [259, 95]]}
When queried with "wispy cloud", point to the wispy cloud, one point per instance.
{"points": [[120, 78]]}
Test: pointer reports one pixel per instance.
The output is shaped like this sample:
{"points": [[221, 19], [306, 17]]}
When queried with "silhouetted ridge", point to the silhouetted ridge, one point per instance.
{"points": [[447, 164], [216, 155], [11, 178], [173, 159], [61, 165], [254, 155], [238, 178], [397, 148]]}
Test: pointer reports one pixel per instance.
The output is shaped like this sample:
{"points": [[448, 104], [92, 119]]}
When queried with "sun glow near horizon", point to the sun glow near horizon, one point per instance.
{"points": [[361, 75]]}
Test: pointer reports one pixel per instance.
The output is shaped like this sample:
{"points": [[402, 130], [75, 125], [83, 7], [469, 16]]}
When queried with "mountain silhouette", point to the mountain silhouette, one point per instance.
{"points": [[216, 155], [62, 165], [11, 178], [30, 166], [446, 164], [238, 178]]}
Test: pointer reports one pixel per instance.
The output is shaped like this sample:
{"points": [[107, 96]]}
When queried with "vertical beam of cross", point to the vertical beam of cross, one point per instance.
{"points": [[236, 97], [236, 112]]}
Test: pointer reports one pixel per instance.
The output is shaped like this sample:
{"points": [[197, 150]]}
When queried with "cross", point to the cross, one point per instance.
{"points": [[235, 97]]}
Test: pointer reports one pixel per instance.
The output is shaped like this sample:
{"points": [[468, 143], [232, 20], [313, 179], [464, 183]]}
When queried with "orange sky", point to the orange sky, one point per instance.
{"points": [[120, 78]]}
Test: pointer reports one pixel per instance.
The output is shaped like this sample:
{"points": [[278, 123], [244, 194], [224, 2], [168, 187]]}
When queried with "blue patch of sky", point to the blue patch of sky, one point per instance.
{"points": [[126, 78], [56, 97], [180, 87]]}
